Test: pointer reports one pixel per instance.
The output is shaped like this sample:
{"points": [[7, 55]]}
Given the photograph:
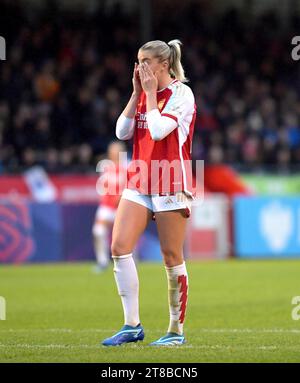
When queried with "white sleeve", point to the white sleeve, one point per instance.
{"points": [[124, 127], [181, 105], [159, 126]]}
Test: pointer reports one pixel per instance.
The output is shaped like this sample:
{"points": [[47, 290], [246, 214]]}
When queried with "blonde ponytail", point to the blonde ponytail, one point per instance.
{"points": [[170, 52], [176, 69]]}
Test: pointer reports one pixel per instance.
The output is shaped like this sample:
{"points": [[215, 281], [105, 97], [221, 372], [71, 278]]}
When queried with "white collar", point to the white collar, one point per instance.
{"points": [[167, 85]]}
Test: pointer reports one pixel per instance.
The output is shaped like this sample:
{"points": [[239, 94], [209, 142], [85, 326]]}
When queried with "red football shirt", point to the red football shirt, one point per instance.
{"points": [[164, 166]]}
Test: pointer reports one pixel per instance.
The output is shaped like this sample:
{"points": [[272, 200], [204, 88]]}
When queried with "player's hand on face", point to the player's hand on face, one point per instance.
{"points": [[136, 82], [148, 79]]}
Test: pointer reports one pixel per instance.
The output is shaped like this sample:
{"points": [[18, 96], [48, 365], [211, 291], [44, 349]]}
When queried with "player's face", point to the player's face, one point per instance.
{"points": [[157, 66]]}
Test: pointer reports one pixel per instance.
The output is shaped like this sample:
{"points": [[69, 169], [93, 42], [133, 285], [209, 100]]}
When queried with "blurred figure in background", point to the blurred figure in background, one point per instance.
{"points": [[115, 175]]}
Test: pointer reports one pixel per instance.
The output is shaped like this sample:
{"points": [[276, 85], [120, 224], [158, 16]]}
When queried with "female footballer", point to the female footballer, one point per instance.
{"points": [[106, 212], [160, 117]]}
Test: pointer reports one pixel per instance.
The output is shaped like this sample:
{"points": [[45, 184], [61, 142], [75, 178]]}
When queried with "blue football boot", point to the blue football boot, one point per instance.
{"points": [[127, 334], [171, 339]]}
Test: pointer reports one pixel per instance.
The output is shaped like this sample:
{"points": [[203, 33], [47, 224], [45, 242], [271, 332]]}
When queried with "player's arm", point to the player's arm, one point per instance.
{"points": [[159, 126], [125, 123]]}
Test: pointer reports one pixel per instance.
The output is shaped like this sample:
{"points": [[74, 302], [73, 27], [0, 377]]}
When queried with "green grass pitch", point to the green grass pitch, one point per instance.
{"points": [[238, 311]]}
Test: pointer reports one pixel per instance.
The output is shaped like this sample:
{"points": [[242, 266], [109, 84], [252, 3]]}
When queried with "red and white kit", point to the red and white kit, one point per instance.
{"points": [[162, 144], [115, 176]]}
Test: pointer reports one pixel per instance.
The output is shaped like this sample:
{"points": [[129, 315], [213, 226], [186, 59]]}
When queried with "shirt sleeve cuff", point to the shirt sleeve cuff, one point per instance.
{"points": [[170, 116]]}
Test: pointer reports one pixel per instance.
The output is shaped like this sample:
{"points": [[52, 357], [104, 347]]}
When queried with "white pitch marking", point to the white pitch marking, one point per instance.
{"points": [[47, 346], [205, 330], [209, 347], [249, 330]]}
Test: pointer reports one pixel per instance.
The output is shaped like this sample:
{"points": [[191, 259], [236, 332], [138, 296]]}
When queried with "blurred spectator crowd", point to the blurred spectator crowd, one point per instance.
{"points": [[68, 76]]}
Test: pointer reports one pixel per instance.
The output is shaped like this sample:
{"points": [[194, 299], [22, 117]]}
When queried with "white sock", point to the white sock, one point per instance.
{"points": [[128, 287], [178, 294], [101, 244]]}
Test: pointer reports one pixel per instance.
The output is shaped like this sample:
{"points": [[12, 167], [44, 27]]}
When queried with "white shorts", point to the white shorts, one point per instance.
{"points": [[157, 203]]}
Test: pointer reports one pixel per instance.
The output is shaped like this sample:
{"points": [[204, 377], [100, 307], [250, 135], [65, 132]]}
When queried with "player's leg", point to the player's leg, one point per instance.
{"points": [[171, 226], [101, 246], [101, 230], [131, 220]]}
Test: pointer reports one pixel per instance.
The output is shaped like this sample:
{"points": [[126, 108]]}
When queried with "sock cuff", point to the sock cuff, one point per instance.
{"points": [[122, 256], [174, 268]]}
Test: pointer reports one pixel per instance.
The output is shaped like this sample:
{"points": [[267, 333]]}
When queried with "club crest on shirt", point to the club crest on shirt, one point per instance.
{"points": [[161, 104]]}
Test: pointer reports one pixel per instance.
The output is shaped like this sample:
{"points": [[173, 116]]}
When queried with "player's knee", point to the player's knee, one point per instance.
{"points": [[120, 247], [170, 255]]}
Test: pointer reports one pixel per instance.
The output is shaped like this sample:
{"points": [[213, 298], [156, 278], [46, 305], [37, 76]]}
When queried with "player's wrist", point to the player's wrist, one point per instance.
{"points": [[150, 92], [136, 94]]}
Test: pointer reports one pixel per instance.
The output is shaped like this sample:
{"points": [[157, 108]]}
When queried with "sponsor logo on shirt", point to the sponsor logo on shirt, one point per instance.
{"points": [[142, 120]]}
